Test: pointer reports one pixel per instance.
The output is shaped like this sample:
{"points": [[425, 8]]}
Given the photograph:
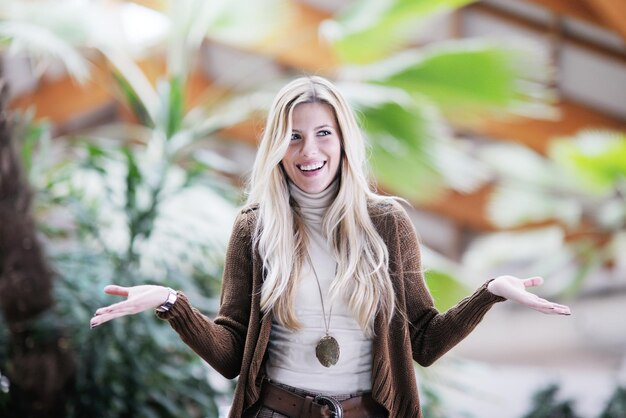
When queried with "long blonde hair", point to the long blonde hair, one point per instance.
{"points": [[362, 278]]}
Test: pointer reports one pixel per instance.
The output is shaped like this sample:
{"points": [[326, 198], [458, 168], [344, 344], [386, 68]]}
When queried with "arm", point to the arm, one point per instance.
{"points": [[219, 342], [433, 333]]}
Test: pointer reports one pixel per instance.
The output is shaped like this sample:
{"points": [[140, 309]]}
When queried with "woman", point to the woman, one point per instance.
{"points": [[323, 306]]}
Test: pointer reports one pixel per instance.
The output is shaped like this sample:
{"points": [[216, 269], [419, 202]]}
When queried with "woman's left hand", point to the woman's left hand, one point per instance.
{"points": [[512, 288]]}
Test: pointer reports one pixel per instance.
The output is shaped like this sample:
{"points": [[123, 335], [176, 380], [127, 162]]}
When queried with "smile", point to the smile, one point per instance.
{"points": [[312, 166]]}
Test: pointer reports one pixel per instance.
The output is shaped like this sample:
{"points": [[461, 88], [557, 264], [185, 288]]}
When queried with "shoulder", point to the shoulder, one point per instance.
{"points": [[387, 210], [392, 221], [245, 222], [249, 209]]}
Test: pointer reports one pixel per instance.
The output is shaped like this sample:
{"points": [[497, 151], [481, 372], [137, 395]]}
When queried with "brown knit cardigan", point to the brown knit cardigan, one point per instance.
{"points": [[235, 342]]}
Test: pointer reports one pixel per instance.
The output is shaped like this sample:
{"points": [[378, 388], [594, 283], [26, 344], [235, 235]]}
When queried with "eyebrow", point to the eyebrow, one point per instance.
{"points": [[316, 128]]}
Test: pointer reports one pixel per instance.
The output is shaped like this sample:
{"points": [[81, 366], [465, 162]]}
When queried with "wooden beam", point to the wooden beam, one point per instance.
{"points": [[613, 13], [537, 133], [573, 39], [62, 100], [572, 8], [466, 210]]}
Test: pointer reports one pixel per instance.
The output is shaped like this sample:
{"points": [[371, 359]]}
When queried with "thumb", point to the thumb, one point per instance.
{"points": [[116, 290]]}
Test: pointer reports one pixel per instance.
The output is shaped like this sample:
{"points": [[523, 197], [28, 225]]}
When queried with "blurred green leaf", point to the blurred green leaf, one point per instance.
{"points": [[547, 405], [445, 289], [596, 158], [135, 86], [616, 406], [463, 78], [369, 30], [175, 106], [43, 45], [245, 23], [399, 137], [512, 204]]}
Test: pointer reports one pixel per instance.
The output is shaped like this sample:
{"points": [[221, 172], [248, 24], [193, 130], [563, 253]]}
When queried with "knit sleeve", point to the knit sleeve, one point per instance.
{"points": [[220, 342], [432, 333]]}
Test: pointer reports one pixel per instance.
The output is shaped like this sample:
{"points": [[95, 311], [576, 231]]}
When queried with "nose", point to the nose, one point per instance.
{"points": [[309, 146]]}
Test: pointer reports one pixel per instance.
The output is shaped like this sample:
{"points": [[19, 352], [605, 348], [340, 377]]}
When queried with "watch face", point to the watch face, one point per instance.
{"points": [[171, 299]]}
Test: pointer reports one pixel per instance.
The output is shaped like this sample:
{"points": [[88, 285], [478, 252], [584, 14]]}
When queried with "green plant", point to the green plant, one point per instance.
{"points": [[546, 405], [133, 210], [574, 196], [123, 200], [616, 406]]}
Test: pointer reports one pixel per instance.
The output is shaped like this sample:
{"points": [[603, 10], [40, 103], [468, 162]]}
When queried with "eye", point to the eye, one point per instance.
{"points": [[323, 132], [295, 136]]}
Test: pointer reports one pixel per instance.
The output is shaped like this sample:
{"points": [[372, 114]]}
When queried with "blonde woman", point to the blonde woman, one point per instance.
{"points": [[324, 307]]}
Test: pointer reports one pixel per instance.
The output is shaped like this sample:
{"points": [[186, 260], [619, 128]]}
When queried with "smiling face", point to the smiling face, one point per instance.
{"points": [[314, 154]]}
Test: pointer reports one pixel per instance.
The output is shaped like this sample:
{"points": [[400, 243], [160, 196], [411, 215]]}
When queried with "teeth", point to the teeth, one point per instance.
{"points": [[311, 167]]}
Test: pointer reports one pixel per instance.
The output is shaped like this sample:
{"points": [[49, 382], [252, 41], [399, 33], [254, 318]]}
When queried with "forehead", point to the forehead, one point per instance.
{"points": [[312, 115]]}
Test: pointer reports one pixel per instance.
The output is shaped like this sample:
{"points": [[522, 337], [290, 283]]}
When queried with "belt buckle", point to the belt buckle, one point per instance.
{"points": [[335, 406]]}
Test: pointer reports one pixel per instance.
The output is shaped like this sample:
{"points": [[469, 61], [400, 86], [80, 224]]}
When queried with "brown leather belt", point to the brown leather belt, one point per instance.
{"points": [[293, 405]]}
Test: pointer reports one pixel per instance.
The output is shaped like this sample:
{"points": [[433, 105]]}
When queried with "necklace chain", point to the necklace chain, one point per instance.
{"points": [[319, 288]]}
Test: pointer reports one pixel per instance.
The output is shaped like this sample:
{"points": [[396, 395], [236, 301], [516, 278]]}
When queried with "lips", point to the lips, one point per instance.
{"points": [[311, 167]]}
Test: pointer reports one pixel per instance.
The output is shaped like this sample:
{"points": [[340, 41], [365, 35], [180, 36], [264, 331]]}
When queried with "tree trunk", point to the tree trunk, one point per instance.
{"points": [[39, 364]]}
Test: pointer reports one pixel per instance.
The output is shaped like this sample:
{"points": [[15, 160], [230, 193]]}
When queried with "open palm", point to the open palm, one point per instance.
{"points": [[514, 289], [138, 299]]}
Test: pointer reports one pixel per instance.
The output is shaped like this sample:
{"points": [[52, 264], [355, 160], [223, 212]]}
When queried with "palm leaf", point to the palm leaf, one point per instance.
{"points": [[399, 137], [412, 151], [244, 23], [135, 86], [370, 30], [43, 46], [596, 158], [446, 290], [465, 78], [513, 204]]}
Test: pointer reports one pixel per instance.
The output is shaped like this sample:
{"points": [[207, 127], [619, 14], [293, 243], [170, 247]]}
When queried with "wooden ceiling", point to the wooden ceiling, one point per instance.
{"points": [[608, 14], [63, 101]]}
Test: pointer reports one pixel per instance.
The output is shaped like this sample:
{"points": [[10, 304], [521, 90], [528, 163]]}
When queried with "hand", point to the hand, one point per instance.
{"points": [[139, 299], [514, 289]]}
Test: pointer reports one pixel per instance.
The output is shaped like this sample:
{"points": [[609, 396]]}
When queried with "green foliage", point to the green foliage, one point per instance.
{"points": [[616, 406], [43, 44], [399, 137], [464, 79], [546, 405], [446, 290], [370, 30], [131, 367], [115, 213], [596, 159], [580, 184]]}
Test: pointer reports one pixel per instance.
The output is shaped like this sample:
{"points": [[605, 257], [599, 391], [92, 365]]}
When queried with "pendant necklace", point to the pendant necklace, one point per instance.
{"points": [[327, 349]]}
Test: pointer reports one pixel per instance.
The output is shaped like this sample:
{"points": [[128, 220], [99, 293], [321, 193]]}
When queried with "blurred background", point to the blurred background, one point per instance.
{"points": [[128, 128]]}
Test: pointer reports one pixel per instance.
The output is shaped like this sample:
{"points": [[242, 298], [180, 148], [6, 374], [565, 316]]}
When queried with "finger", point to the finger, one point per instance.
{"points": [[550, 307], [120, 306], [533, 281], [116, 290], [101, 319], [562, 310], [555, 309]]}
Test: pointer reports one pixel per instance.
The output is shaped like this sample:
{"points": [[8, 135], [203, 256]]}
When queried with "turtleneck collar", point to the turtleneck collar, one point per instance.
{"points": [[313, 206]]}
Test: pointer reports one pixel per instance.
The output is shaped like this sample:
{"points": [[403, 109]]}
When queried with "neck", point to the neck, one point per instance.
{"points": [[313, 206]]}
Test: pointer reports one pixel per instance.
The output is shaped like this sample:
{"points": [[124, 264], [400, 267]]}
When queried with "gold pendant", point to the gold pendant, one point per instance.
{"points": [[327, 351]]}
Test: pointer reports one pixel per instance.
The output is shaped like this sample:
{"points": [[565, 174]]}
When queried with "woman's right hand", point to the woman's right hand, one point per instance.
{"points": [[138, 299]]}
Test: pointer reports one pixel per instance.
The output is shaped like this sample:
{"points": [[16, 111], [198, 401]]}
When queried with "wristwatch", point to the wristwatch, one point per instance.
{"points": [[169, 302]]}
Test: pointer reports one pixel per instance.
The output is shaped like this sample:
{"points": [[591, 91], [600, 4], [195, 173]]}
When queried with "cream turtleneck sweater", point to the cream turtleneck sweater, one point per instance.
{"points": [[291, 354]]}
